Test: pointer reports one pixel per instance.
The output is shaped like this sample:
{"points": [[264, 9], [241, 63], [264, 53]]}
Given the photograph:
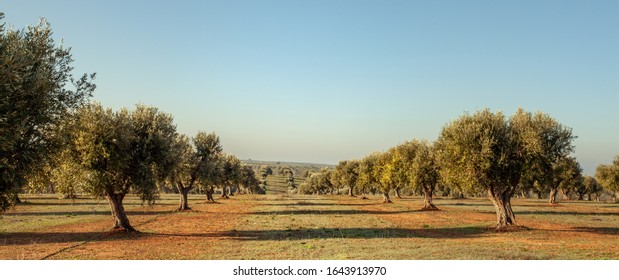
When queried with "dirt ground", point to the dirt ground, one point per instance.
{"points": [[309, 227]]}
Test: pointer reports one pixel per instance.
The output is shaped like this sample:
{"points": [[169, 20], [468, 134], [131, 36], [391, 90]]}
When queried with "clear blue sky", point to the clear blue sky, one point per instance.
{"points": [[321, 81]]}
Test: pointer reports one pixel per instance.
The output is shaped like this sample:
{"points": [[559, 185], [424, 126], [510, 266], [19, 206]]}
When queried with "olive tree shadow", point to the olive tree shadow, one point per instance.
{"points": [[27, 238], [330, 212], [83, 213], [342, 233]]}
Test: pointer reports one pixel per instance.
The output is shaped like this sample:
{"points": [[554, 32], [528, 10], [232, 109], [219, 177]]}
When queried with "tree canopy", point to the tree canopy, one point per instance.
{"points": [[608, 176], [37, 90]]}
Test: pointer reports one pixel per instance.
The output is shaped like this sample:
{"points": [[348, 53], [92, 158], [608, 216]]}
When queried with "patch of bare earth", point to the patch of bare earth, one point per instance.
{"points": [[164, 234], [534, 233]]}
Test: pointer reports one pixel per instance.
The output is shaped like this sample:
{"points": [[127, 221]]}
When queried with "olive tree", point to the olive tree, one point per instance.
{"points": [[194, 163], [125, 152], [289, 177], [248, 180], [608, 176], [347, 174], [546, 145], [480, 152], [383, 172], [230, 174], [567, 175], [588, 187], [424, 171], [37, 91], [366, 181]]}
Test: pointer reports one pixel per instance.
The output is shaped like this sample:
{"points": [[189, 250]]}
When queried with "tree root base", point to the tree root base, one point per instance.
{"points": [[119, 231]]}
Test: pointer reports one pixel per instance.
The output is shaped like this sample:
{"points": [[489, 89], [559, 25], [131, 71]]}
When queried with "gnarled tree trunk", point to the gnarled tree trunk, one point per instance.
{"points": [[119, 217], [184, 192], [427, 200], [552, 199], [224, 192], [209, 194], [397, 193], [502, 205], [386, 198], [184, 202]]}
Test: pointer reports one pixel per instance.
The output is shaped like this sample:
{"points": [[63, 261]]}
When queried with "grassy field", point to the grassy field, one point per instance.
{"points": [[282, 226]]}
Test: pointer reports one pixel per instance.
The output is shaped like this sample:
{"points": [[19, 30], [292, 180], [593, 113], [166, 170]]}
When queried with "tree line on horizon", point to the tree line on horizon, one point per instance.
{"points": [[53, 136]]}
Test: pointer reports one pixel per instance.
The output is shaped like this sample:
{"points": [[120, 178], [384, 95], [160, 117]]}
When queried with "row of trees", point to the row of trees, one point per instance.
{"points": [[111, 154], [484, 153], [52, 137]]}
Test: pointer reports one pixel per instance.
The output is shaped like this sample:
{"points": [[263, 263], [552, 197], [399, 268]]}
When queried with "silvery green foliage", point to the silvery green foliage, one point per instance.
{"points": [[608, 176], [37, 90], [125, 151]]}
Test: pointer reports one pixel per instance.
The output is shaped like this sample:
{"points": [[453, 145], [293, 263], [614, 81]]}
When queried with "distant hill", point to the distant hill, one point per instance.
{"points": [[276, 183]]}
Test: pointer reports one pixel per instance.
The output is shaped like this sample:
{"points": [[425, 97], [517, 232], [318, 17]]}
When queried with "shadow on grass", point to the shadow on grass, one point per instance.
{"points": [[330, 212], [24, 238], [84, 213], [464, 204], [599, 230], [33, 238], [342, 233], [565, 213], [307, 203]]}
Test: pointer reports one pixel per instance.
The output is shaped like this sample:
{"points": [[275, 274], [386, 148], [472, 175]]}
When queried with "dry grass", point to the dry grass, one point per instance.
{"points": [[309, 227]]}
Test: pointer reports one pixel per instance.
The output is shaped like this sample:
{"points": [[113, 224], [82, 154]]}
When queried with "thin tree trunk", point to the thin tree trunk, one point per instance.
{"points": [[69, 196], [119, 217], [386, 198], [427, 200], [397, 193], [350, 192], [589, 196], [209, 194], [224, 192], [539, 195], [565, 194], [552, 199]]}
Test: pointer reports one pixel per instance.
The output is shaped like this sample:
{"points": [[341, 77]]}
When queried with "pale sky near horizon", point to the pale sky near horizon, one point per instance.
{"points": [[326, 80]]}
